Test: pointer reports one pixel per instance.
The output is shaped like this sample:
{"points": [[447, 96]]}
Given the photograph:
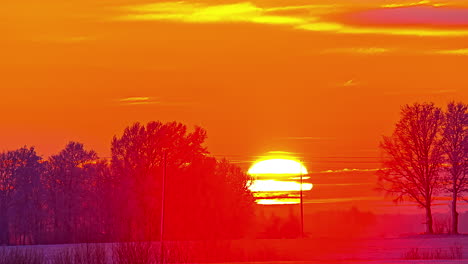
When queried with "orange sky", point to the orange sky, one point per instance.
{"points": [[324, 80]]}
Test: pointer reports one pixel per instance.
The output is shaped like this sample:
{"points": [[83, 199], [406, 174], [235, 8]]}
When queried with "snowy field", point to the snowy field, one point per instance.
{"points": [[288, 251]]}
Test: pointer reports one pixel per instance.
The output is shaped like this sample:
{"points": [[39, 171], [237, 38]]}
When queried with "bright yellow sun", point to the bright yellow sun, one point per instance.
{"points": [[270, 170], [277, 166]]}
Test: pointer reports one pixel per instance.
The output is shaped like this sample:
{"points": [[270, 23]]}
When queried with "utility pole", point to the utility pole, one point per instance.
{"points": [[161, 243], [302, 207]]}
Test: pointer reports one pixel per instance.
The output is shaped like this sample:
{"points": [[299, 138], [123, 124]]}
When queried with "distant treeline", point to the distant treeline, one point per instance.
{"points": [[74, 196]]}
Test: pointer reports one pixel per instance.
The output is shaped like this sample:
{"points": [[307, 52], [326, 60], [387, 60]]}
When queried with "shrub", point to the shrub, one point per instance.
{"points": [[453, 252]]}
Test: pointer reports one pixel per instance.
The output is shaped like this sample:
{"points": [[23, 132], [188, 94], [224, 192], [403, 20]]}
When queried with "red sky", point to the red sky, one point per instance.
{"points": [[323, 80]]}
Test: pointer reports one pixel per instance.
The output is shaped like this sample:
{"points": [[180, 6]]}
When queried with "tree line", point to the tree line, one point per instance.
{"points": [[75, 196], [426, 157]]}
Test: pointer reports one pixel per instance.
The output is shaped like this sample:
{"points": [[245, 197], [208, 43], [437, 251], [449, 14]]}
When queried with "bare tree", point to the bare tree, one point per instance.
{"points": [[414, 157], [75, 197], [7, 187], [137, 163], [66, 182], [20, 172], [204, 197], [455, 133]]}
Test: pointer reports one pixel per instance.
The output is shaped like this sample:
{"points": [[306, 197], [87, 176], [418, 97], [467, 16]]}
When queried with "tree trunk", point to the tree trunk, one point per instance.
{"points": [[4, 239], [429, 220], [454, 229]]}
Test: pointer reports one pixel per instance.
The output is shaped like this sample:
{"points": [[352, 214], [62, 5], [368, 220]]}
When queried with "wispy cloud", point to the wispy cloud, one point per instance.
{"points": [[134, 99], [307, 138], [423, 18], [349, 83], [62, 39], [147, 100], [462, 52], [360, 50], [419, 3], [137, 101], [303, 7], [202, 13], [346, 184], [348, 170], [343, 200], [333, 27], [379, 50]]}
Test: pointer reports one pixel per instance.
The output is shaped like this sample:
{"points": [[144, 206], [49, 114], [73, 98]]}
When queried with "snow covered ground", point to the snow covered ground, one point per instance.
{"points": [[297, 251], [395, 248]]}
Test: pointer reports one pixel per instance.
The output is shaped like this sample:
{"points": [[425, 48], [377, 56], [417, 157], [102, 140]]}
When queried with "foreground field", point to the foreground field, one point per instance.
{"points": [[412, 249]]}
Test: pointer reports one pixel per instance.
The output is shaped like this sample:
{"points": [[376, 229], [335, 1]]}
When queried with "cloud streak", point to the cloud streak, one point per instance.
{"points": [[461, 52], [202, 13], [307, 138], [410, 16], [349, 170], [343, 200], [338, 28], [419, 3], [390, 19], [360, 50], [137, 101]]}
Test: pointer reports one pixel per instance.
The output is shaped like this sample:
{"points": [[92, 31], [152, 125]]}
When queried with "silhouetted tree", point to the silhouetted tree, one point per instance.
{"points": [[67, 185], [455, 133], [20, 189], [102, 208], [201, 193], [74, 197], [235, 200], [213, 195], [138, 158], [414, 157]]}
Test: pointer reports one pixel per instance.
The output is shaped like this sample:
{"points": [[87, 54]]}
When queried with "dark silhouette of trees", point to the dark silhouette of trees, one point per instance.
{"points": [[74, 196], [138, 158], [68, 182], [201, 193], [414, 156], [455, 131], [20, 196], [213, 195]]}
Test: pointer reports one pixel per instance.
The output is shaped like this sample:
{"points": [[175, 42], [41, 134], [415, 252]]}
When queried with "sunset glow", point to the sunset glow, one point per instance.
{"points": [[278, 186], [204, 118], [285, 60], [277, 166], [393, 14], [278, 176], [278, 201]]}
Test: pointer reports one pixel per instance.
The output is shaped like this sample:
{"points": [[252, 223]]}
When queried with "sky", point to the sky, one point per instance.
{"points": [[323, 79]]}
